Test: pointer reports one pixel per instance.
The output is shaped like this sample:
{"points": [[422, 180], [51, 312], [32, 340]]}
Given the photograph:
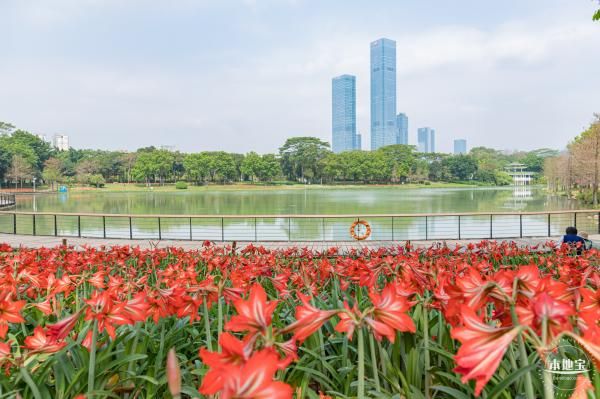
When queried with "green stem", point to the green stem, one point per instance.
{"points": [[361, 365], [426, 347], [92, 366], [219, 320], [548, 387], [374, 363], [523, 355], [207, 326]]}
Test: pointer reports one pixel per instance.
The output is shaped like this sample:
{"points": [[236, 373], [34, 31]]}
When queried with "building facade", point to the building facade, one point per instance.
{"points": [[460, 146], [402, 129], [426, 139], [343, 114], [383, 93], [61, 142]]}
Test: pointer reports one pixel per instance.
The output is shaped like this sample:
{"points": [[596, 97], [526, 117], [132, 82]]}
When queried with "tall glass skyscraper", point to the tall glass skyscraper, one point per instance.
{"points": [[383, 93], [402, 129], [460, 146], [343, 113], [426, 139]]}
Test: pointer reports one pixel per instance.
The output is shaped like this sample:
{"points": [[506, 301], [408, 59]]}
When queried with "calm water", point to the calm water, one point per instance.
{"points": [[297, 201], [300, 201]]}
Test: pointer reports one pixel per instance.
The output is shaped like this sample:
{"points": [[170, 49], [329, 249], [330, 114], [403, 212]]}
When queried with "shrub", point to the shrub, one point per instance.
{"points": [[181, 185]]}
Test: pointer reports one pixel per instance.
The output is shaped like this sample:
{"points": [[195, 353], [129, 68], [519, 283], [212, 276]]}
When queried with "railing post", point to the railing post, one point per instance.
{"points": [[520, 226], [159, 229], [575, 219], [549, 231], [130, 229], [33, 224], [323, 229], [426, 228], [78, 225], [392, 228], [15, 223], [255, 232], [459, 227], [598, 222], [55, 226], [222, 230], [191, 229], [103, 226], [491, 226], [290, 227]]}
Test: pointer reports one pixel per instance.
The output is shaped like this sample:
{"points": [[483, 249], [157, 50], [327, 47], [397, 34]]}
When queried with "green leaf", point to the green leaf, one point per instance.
{"points": [[27, 378], [515, 375], [455, 393], [596, 16]]}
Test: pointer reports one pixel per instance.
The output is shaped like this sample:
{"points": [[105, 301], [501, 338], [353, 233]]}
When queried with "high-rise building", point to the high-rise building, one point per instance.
{"points": [[383, 93], [61, 142], [343, 113], [401, 129], [460, 146], [358, 144], [426, 139]]}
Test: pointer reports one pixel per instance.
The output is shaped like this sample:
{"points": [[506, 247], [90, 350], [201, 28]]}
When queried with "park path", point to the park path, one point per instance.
{"points": [[344, 246]]}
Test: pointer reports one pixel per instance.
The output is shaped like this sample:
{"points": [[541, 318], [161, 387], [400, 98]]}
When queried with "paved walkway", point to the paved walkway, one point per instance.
{"points": [[78, 243]]}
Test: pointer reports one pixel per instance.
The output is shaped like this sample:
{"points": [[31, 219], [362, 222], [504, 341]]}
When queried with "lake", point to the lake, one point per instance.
{"points": [[296, 200]]}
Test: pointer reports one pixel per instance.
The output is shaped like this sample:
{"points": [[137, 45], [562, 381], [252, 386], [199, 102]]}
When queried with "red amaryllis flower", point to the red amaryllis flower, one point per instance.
{"points": [[39, 342], [9, 313], [349, 319], [233, 352], [254, 315], [106, 312], [544, 306], [482, 348], [59, 330], [173, 374], [308, 319], [254, 379], [389, 314]]}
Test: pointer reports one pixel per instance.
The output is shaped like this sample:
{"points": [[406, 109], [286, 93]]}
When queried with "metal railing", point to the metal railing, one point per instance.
{"points": [[392, 227], [7, 200]]}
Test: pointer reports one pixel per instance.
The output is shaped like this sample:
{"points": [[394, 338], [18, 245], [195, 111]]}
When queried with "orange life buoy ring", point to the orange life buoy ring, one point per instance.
{"points": [[363, 236]]}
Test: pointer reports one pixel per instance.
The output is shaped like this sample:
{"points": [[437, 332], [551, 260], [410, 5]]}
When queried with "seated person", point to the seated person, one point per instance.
{"points": [[588, 243], [573, 239]]}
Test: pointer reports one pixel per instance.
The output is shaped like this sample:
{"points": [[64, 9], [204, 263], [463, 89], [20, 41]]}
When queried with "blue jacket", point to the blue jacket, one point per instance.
{"points": [[573, 239]]}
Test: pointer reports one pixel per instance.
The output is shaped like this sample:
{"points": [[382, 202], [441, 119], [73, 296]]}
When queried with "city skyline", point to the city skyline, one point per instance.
{"points": [[101, 73]]}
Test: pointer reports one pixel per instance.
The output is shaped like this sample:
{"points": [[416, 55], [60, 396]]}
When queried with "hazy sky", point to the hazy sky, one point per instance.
{"points": [[245, 75]]}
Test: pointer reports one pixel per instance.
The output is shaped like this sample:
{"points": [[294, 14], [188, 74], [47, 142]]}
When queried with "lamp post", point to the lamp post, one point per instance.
{"points": [[34, 178]]}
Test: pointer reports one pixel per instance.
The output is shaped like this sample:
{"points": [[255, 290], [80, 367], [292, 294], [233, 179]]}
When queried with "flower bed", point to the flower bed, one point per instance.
{"points": [[255, 323]]}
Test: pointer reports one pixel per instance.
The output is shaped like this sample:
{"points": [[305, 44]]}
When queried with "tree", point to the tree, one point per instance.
{"points": [[586, 158], [153, 165], [269, 167], [20, 169], [460, 167], [52, 171], [251, 165], [400, 158], [300, 157]]}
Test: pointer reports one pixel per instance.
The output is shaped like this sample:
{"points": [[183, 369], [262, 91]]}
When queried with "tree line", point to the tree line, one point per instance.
{"points": [[24, 156], [576, 171]]}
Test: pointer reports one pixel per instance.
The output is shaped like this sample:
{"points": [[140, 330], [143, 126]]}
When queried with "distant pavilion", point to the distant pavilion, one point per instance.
{"points": [[519, 174]]}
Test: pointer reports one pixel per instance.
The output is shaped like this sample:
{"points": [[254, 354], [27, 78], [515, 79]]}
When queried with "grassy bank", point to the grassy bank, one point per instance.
{"points": [[123, 187]]}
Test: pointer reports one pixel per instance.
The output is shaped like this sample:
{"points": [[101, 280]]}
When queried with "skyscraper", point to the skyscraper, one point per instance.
{"points": [[343, 113], [460, 146], [383, 93], [402, 129], [426, 139]]}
